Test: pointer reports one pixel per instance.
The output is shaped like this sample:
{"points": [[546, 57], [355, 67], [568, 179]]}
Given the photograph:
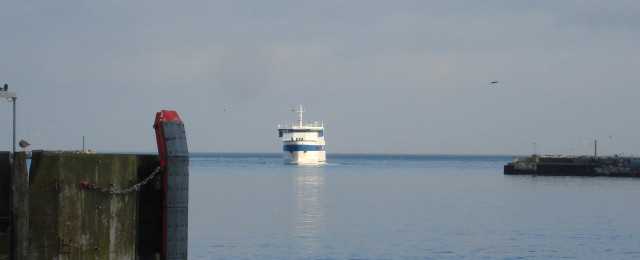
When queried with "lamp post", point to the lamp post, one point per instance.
{"points": [[4, 93]]}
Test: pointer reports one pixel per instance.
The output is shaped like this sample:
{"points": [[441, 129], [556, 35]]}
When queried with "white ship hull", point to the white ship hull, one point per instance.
{"points": [[301, 157]]}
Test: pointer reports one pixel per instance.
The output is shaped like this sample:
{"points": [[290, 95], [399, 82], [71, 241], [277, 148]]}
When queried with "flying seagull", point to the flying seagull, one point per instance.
{"points": [[23, 144], [494, 82]]}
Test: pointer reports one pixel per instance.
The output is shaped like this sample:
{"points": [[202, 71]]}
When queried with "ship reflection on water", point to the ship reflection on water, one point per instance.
{"points": [[309, 210]]}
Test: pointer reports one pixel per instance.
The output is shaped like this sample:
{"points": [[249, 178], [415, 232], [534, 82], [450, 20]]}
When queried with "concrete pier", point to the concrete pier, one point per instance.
{"points": [[68, 220], [559, 165]]}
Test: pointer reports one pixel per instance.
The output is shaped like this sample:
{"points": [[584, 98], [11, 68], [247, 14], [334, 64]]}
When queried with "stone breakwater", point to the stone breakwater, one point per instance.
{"points": [[562, 165]]}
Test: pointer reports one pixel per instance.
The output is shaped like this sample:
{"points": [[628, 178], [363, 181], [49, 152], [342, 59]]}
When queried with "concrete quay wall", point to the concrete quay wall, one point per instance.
{"points": [[65, 220]]}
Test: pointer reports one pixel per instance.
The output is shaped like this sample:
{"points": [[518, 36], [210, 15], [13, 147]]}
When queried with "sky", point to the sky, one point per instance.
{"points": [[397, 77]]}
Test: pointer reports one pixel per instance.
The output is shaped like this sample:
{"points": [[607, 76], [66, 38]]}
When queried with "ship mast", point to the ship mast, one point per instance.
{"points": [[300, 110]]}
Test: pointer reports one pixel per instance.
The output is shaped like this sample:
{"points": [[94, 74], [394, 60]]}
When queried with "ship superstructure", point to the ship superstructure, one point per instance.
{"points": [[303, 143]]}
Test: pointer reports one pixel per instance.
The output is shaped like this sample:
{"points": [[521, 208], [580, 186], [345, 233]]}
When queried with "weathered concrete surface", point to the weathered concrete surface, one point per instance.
{"points": [[19, 207], [5, 188], [67, 222]]}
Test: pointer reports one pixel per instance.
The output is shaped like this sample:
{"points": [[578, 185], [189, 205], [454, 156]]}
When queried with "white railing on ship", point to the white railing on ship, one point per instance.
{"points": [[294, 125]]}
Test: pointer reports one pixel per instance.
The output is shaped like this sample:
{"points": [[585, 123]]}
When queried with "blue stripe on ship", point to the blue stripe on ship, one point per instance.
{"points": [[297, 147]]}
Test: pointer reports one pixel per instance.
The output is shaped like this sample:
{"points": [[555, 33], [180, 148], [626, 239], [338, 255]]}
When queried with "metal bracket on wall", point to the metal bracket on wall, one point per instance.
{"points": [[66, 245], [86, 185], [58, 184]]}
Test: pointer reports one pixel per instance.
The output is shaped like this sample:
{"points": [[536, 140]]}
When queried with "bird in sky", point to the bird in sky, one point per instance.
{"points": [[494, 82]]}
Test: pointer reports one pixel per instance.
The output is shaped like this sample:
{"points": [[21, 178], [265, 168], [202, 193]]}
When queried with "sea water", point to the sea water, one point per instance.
{"points": [[253, 206]]}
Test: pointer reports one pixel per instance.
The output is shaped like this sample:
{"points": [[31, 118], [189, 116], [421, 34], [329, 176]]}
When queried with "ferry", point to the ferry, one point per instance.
{"points": [[303, 143]]}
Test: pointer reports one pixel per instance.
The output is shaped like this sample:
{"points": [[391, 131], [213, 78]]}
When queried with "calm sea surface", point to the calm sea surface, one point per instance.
{"points": [[253, 206]]}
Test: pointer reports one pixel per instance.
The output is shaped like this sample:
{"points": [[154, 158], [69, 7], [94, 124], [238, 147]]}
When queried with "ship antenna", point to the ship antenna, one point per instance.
{"points": [[300, 110]]}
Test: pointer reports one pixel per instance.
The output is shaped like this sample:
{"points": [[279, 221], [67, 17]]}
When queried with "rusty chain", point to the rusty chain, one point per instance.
{"points": [[133, 188]]}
